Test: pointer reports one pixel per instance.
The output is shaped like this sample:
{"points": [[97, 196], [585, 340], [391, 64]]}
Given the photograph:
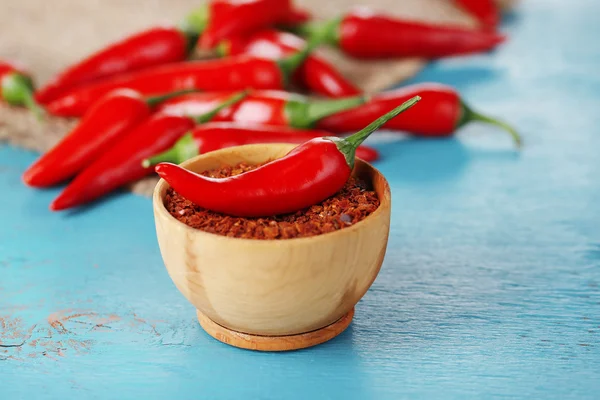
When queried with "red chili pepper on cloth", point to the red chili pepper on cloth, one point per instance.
{"points": [[16, 87], [310, 173], [264, 107], [219, 135], [148, 48], [106, 122], [198, 104], [364, 34], [229, 18], [486, 11], [295, 17], [440, 114], [122, 163], [234, 73], [316, 73]]}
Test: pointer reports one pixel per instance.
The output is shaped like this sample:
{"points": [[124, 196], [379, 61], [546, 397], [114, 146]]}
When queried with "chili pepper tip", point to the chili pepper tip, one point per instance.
{"points": [[60, 203], [159, 168], [156, 100]]}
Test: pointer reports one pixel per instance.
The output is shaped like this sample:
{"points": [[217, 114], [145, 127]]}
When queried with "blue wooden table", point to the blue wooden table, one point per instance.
{"points": [[490, 287]]}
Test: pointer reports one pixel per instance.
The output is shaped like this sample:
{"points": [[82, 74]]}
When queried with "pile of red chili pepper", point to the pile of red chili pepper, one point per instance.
{"points": [[146, 100]]}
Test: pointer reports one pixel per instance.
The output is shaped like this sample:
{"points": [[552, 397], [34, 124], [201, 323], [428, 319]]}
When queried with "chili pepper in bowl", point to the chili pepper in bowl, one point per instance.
{"points": [[440, 114], [151, 47], [486, 11], [310, 173], [219, 135], [122, 163], [16, 87], [364, 34], [316, 73], [106, 122], [269, 107], [230, 18], [234, 73]]}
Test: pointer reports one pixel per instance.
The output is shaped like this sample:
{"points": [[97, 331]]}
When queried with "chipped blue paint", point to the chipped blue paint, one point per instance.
{"points": [[489, 288]]}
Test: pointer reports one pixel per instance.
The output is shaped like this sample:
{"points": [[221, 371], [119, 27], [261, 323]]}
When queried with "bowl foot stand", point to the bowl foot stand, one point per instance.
{"points": [[274, 343]]}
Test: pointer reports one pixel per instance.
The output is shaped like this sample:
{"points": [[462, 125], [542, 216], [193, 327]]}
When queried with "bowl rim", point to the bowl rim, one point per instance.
{"points": [[159, 206]]}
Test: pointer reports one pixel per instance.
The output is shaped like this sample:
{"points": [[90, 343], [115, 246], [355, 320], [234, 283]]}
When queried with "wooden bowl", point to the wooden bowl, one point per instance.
{"points": [[273, 287]]}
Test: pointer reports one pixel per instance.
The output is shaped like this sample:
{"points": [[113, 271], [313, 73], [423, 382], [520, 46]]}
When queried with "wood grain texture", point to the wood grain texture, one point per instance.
{"points": [[275, 343], [490, 288], [273, 287]]}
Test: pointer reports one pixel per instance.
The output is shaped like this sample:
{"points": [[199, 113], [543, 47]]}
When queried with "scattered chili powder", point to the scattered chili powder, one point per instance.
{"points": [[350, 205]]}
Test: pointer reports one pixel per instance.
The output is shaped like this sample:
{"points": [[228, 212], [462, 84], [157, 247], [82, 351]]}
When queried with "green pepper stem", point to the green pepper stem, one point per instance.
{"points": [[227, 103], [347, 146], [318, 110], [17, 90], [360, 136], [194, 24], [33, 106], [290, 64], [469, 115], [328, 31], [156, 100], [307, 29], [183, 150], [303, 113], [223, 48]]}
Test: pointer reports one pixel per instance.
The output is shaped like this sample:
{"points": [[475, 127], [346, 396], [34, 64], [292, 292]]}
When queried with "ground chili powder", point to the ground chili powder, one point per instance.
{"points": [[347, 207]]}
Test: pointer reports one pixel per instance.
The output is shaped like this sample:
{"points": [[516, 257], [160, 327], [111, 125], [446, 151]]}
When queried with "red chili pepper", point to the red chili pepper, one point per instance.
{"points": [[110, 118], [16, 87], [198, 104], [230, 18], [440, 114], [308, 174], [148, 48], [316, 73], [486, 11], [362, 33], [234, 73], [122, 163], [219, 135], [295, 17], [264, 107]]}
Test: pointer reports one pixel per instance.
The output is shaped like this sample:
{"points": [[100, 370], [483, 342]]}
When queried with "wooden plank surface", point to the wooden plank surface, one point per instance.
{"points": [[490, 287]]}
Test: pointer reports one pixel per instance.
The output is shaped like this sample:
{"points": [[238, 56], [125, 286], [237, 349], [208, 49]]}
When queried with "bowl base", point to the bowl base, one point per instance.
{"points": [[274, 343]]}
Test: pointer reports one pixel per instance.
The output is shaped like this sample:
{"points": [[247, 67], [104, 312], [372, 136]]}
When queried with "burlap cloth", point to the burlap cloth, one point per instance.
{"points": [[47, 35]]}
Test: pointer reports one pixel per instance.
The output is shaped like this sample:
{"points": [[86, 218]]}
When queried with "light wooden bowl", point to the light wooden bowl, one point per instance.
{"points": [[273, 287]]}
